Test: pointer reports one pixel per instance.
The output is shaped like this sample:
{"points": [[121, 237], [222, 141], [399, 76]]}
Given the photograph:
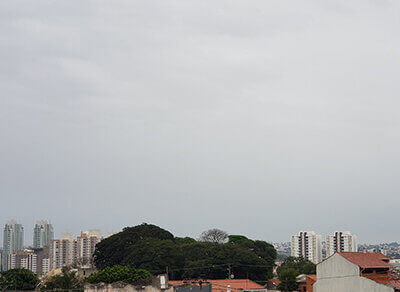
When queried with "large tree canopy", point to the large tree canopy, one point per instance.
{"points": [[154, 249], [290, 269], [18, 279], [114, 249]]}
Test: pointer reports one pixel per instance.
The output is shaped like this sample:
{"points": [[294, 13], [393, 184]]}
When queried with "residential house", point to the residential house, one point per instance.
{"points": [[306, 282], [356, 272]]}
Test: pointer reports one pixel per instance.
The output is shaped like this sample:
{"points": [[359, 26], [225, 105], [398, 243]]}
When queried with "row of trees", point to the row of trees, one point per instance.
{"points": [[23, 279], [213, 256]]}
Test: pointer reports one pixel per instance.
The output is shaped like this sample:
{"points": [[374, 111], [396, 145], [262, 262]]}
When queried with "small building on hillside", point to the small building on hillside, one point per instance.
{"points": [[356, 272], [224, 285]]}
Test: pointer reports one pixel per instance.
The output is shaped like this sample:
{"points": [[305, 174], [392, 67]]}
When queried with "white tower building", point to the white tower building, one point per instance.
{"points": [[340, 241], [308, 245]]}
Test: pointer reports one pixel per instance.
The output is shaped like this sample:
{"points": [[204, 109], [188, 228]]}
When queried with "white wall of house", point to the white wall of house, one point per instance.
{"points": [[336, 274]]}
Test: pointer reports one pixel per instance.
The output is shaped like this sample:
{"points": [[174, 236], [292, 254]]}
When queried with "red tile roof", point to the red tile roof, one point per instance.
{"points": [[312, 277], [275, 281], [221, 285], [367, 260], [395, 284]]}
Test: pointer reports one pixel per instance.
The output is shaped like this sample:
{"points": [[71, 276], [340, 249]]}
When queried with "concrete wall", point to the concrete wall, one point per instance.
{"points": [[336, 274], [336, 266], [350, 284], [155, 284]]}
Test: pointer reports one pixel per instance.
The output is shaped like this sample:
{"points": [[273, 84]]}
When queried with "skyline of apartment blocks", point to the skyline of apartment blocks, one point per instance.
{"points": [[43, 234], [67, 250], [308, 245], [36, 260], [13, 240], [340, 241]]}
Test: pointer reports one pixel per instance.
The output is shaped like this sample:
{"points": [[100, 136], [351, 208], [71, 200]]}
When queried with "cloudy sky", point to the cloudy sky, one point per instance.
{"points": [[261, 118]]}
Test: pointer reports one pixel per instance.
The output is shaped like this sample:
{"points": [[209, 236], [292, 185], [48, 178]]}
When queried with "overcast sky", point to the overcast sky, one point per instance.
{"points": [[261, 118]]}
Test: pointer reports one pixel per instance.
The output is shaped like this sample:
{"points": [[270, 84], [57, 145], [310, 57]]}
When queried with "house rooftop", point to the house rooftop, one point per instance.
{"points": [[367, 260], [220, 285], [312, 277]]}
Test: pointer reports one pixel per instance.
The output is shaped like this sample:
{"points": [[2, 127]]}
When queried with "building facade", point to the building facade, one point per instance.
{"points": [[13, 240], [340, 241], [356, 272], [43, 234], [68, 251], [35, 260], [308, 245], [61, 253], [86, 244]]}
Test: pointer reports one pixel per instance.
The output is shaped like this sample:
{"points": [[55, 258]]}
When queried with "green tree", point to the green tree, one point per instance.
{"points": [[184, 240], [239, 239], [67, 280], [262, 249], [291, 268], [113, 250], [300, 264], [154, 255], [151, 248], [18, 279], [119, 274], [208, 260], [288, 279]]}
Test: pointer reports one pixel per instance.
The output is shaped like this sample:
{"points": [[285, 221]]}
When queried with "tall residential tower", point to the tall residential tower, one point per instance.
{"points": [[13, 240], [307, 245], [43, 234], [340, 241]]}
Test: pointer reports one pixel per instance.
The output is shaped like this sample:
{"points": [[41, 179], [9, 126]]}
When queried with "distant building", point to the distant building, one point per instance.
{"points": [[68, 251], [35, 260], [307, 245], [43, 234], [340, 241], [13, 240], [61, 253], [86, 244], [356, 272]]}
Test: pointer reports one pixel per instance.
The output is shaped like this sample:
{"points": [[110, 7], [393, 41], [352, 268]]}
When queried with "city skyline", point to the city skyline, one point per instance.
{"points": [[28, 233]]}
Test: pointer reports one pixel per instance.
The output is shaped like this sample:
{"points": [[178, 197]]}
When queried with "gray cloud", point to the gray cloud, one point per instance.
{"points": [[258, 117]]}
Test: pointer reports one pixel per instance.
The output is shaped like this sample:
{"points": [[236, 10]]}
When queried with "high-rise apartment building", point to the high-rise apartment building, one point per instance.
{"points": [[307, 245], [61, 252], [67, 251], [35, 260], [43, 234], [13, 240], [86, 244], [340, 241]]}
